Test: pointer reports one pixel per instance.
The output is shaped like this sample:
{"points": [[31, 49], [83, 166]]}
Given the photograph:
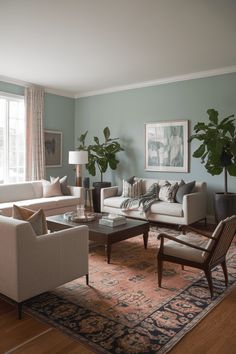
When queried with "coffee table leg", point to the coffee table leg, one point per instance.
{"points": [[108, 251], [145, 239]]}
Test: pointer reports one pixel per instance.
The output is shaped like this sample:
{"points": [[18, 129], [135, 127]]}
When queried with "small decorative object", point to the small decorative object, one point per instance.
{"points": [[86, 182], [86, 218], [68, 216], [53, 148], [167, 146], [80, 211], [218, 154], [112, 220]]}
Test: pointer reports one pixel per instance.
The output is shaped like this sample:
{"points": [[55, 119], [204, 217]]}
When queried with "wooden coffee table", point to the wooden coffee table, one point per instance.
{"points": [[104, 234]]}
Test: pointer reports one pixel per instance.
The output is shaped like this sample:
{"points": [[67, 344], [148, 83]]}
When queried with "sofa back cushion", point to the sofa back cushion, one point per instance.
{"points": [[17, 191], [147, 182]]}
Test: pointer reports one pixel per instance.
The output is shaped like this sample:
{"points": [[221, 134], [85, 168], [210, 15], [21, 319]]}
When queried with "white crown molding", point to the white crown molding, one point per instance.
{"points": [[197, 75], [59, 92], [10, 80]]}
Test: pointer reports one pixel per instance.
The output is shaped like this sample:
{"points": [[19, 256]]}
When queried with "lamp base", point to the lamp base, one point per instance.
{"points": [[78, 176], [78, 181]]}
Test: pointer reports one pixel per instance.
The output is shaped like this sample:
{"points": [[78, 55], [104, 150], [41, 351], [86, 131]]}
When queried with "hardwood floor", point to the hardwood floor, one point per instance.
{"points": [[215, 334]]}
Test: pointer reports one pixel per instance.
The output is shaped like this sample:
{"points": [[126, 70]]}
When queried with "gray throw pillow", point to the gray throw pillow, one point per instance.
{"points": [[184, 188]]}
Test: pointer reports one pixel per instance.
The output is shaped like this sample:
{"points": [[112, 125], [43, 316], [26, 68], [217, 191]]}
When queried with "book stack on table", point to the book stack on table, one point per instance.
{"points": [[112, 220]]}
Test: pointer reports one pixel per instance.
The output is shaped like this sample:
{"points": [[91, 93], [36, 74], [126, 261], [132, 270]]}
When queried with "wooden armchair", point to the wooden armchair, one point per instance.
{"points": [[185, 250]]}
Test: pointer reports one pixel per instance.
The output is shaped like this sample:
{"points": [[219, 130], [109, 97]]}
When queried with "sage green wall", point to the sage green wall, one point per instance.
{"points": [[126, 113], [59, 115]]}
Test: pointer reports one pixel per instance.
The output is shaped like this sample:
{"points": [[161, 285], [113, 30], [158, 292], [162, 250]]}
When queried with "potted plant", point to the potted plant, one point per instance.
{"points": [[101, 156], [218, 154]]}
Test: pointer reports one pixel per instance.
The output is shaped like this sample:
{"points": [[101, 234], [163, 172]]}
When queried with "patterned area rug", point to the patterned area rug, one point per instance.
{"points": [[123, 310]]}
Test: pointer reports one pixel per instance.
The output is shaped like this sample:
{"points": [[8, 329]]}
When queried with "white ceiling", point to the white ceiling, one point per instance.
{"points": [[79, 46]]}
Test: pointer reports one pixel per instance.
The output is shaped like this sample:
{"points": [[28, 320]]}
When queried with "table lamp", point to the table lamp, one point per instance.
{"points": [[78, 158]]}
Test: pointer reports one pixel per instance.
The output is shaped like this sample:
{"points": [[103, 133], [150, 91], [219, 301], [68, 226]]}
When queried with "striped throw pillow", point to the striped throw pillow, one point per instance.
{"points": [[132, 190]]}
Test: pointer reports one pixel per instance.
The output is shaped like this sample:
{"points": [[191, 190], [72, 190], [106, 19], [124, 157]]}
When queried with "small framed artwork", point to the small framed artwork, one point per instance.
{"points": [[166, 146], [53, 148]]}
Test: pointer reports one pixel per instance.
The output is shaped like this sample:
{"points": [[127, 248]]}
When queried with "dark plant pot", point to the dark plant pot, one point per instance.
{"points": [[97, 194], [225, 205]]}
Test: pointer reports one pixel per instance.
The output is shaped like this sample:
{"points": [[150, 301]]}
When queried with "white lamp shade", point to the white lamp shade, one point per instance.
{"points": [[78, 157]]}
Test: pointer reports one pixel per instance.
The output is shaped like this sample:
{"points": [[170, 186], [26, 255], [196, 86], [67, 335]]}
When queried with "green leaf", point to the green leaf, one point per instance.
{"points": [[106, 133], [200, 126], [95, 138], [200, 151], [232, 169], [91, 168], [213, 116], [113, 164]]}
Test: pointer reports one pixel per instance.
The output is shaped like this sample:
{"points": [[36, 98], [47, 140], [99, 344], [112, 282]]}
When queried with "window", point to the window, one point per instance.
{"points": [[12, 138]]}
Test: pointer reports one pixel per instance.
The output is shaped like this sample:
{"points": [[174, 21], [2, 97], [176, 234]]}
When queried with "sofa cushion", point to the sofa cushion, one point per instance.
{"points": [[63, 183], [166, 208], [184, 188], [132, 190], [36, 218], [51, 189], [17, 191], [51, 203], [114, 202], [44, 203], [167, 192]]}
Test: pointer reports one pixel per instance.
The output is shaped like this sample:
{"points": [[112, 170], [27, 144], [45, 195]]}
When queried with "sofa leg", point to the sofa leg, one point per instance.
{"points": [[87, 279], [19, 310]]}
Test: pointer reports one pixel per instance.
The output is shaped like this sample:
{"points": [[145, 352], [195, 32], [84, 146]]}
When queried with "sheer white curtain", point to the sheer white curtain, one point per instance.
{"points": [[35, 151]]}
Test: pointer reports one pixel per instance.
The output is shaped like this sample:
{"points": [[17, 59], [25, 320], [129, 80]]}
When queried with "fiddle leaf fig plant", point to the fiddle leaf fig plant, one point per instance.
{"points": [[101, 155], [218, 145]]}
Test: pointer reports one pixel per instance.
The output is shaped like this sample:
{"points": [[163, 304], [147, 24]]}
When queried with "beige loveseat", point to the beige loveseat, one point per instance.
{"points": [[31, 265], [192, 208], [30, 195]]}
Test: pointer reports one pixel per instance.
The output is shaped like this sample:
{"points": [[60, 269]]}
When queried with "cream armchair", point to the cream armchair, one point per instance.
{"points": [[30, 264]]}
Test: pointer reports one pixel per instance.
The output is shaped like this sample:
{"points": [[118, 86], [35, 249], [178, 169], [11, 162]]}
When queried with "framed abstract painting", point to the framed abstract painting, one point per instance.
{"points": [[166, 146], [53, 148]]}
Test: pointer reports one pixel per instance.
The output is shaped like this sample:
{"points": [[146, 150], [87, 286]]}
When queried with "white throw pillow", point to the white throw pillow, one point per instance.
{"points": [[51, 189]]}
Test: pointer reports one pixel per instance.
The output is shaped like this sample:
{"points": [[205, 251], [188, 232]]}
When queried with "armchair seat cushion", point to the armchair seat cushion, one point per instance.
{"points": [[175, 249]]}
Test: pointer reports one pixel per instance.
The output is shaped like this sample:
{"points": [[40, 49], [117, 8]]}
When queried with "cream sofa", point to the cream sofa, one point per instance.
{"points": [[192, 209], [31, 265], [30, 195]]}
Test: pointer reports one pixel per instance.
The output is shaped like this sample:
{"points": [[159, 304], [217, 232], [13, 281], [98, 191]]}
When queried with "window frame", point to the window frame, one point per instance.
{"points": [[14, 97]]}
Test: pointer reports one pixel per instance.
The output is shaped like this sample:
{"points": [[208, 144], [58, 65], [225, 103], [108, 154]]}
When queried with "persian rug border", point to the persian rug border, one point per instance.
{"points": [[167, 347]]}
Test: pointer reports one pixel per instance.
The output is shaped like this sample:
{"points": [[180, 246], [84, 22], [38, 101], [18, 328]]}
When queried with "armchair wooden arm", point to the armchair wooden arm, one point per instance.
{"points": [[198, 231]]}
